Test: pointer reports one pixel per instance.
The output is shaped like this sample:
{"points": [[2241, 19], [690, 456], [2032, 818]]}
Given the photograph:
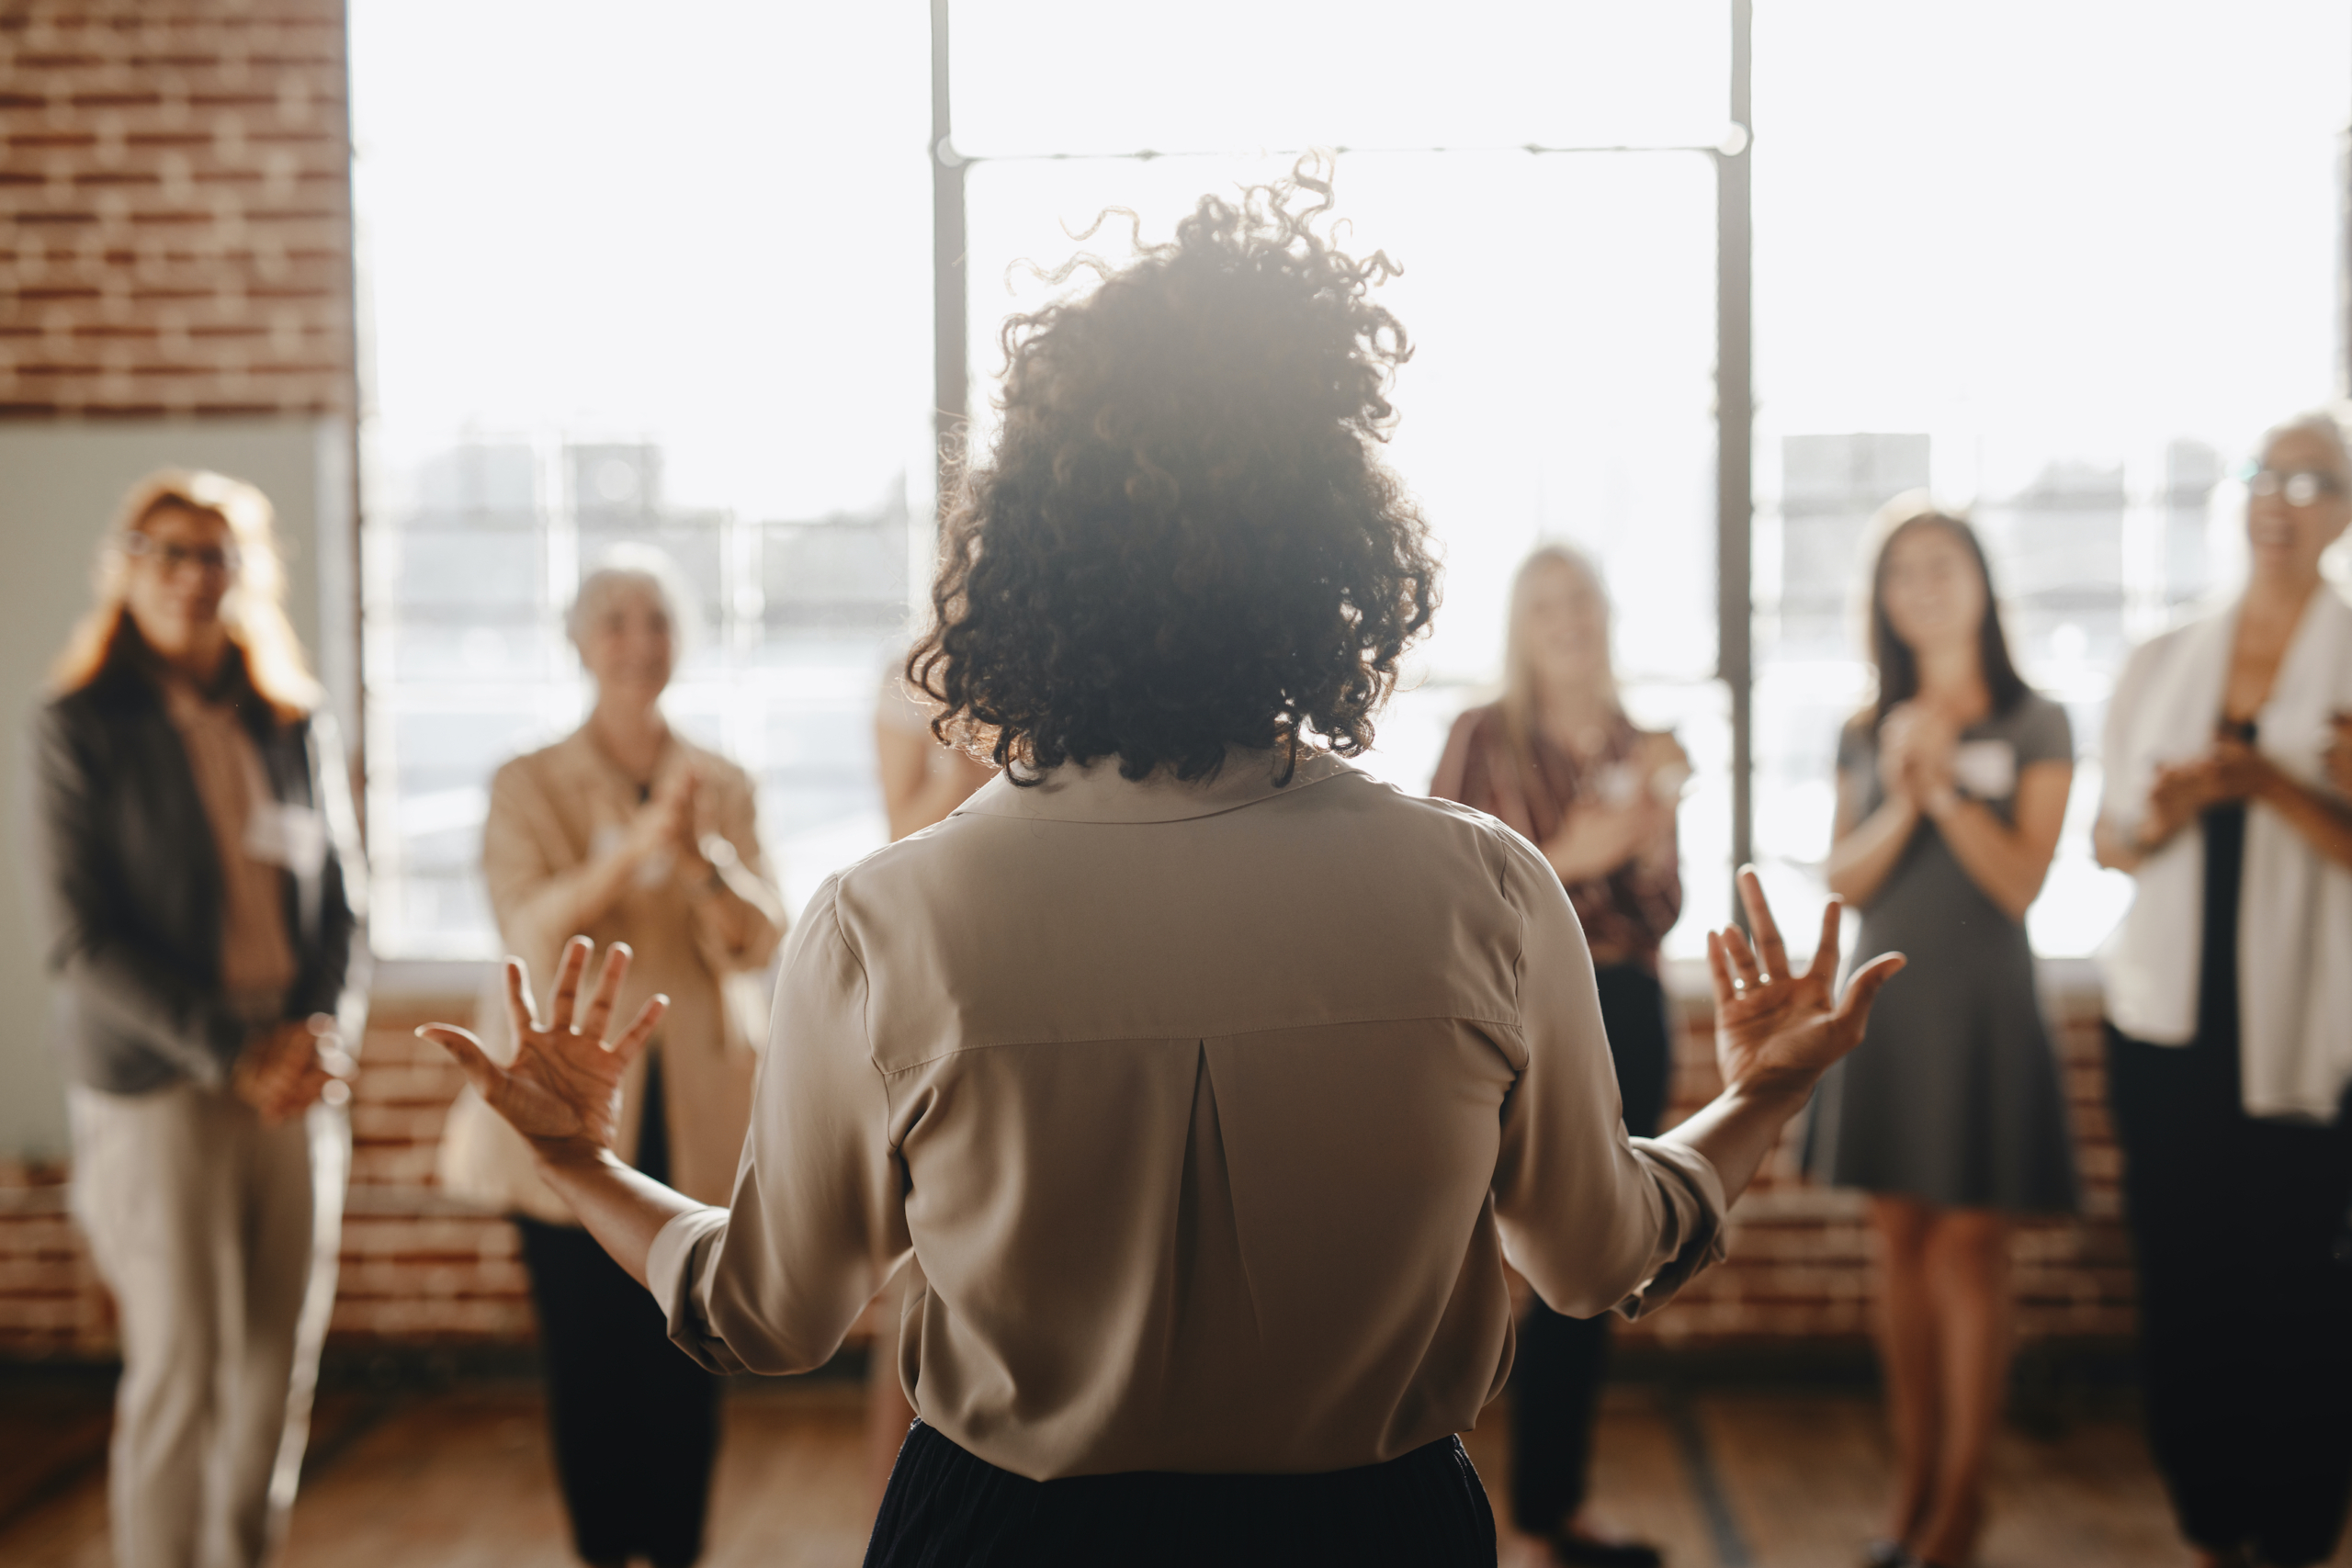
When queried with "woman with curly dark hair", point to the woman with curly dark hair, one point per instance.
{"points": [[1194, 1078]]}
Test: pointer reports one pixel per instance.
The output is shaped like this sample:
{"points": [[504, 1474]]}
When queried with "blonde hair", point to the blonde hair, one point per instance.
{"points": [[1518, 663], [252, 612]]}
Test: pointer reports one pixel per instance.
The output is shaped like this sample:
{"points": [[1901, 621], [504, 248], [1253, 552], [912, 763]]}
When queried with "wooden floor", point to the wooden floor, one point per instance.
{"points": [[459, 1479]]}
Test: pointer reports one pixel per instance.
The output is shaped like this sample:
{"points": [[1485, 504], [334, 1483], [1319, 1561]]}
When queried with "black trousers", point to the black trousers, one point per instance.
{"points": [[633, 1420], [1555, 1379], [948, 1508], [2246, 1307]]}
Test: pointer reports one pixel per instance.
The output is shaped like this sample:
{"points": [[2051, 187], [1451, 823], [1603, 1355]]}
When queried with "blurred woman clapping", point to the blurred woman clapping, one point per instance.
{"points": [[629, 833], [1558, 759], [1951, 791], [2229, 995]]}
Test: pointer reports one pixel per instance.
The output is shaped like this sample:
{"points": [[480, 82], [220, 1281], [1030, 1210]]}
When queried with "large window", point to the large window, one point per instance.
{"points": [[647, 275], [2060, 265], [1558, 285], [669, 277]]}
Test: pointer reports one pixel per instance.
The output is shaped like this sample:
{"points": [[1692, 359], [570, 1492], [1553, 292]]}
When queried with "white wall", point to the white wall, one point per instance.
{"points": [[59, 484]]}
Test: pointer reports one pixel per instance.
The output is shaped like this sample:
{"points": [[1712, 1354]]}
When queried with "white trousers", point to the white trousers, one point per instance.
{"points": [[218, 1236]]}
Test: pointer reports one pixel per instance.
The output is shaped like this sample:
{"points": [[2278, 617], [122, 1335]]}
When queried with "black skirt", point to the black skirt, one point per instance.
{"points": [[948, 1509]]}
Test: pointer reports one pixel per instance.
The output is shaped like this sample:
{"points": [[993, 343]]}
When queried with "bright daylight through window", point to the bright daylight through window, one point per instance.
{"points": [[745, 380]]}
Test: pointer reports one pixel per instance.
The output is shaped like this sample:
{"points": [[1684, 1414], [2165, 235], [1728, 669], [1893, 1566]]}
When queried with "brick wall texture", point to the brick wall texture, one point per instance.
{"points": [[419, 1269], [175, 232]]}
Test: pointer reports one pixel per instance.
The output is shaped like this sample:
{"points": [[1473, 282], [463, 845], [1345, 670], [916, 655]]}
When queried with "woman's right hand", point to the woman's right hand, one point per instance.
{"points": [[562, 1090], [1777, 1031]]}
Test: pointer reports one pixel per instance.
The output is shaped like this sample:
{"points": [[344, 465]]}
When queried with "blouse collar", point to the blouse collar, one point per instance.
{"points": [[1095, 793]]}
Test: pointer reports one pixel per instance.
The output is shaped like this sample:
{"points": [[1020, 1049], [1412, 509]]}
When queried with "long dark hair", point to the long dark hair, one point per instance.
{"points": [[1898, 666]]}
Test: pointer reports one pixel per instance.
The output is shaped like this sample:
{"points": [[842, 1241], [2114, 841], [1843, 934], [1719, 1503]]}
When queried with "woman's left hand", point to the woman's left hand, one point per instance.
{"points": [[1775, 1028], [562, 1091]]}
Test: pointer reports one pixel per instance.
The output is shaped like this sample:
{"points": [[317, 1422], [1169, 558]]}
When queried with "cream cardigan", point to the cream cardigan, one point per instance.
{"points": [[2295, 924]]}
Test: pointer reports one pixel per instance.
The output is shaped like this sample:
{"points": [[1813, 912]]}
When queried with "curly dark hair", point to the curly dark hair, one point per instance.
{"points": [[1184, 540]]}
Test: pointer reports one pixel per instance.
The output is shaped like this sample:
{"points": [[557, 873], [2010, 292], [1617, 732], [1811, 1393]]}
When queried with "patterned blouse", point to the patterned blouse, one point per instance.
{"points": [[1626, 913]]}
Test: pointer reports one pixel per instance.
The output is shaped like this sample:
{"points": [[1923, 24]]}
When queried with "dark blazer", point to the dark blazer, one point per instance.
{"points": [[134, 883]]}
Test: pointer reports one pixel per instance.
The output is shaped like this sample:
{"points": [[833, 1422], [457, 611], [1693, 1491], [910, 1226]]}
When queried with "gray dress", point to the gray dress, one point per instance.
{"points": [[1953, 1095]]}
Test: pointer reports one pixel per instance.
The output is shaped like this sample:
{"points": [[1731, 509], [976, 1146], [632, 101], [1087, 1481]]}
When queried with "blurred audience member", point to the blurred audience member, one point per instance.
{"points": [[2229, 996], [922, 781], [629, 833], [205, 895], [1951, 789], [1557, 760]]}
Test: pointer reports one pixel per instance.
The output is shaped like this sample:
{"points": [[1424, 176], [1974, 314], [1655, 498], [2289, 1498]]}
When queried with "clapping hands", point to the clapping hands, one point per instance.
{"points": [[1916, 745], [2182, 792], [562, 1090]]}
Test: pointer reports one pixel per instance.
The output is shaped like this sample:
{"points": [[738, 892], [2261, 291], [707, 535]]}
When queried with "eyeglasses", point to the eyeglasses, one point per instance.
{"points": [[2297, 487], [217, 560]]}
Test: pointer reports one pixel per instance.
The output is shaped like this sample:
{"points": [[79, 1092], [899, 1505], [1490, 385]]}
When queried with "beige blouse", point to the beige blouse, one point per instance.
{"points": [[554, 812], [1203, 1117], [256, 956]]}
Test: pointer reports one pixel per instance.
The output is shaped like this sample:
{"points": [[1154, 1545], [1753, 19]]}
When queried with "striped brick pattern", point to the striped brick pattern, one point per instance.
{"points": [[419, 1269], [1799, 1270], [175, 232]]}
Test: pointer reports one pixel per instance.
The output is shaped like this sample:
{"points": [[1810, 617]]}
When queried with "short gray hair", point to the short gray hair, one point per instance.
{"points": [[636, 566], [2314, 421]]}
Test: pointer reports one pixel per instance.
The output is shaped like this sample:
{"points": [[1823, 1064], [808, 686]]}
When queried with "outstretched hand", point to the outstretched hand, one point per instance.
{"points": [[1774, 1027], [562, 1090]]}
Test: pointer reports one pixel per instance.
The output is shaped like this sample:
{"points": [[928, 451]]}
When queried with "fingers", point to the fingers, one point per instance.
{"points": [[1742, 956], [1854, 1007], [480, 1070], [640, 1030], [1825, 952], [567, 970], [1759, 919], [608, 989], [1719, 967], [519, 1006]]}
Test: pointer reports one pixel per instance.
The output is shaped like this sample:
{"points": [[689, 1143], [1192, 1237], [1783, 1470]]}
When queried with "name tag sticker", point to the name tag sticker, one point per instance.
{"points": [[1986, 770], [294, 836]]}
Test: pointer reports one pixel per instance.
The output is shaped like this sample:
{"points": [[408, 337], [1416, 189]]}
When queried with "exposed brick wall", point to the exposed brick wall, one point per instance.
{"points": [[416, 1267], [1800, 1263], [419, 1269], [175, 233]]}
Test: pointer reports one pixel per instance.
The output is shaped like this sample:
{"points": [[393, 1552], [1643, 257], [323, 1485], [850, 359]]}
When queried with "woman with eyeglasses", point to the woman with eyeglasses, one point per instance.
{"points": [[1951, 792], [205, 894], [2229, 1000]]}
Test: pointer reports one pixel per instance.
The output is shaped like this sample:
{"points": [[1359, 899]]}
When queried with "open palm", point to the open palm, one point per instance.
{"points": [[562, 1090], [1771, 1024]]}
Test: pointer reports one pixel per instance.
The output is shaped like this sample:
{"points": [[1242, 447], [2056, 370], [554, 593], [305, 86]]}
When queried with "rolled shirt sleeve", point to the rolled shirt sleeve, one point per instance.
{"points": [[772, 1283], [1596, 1220]]}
